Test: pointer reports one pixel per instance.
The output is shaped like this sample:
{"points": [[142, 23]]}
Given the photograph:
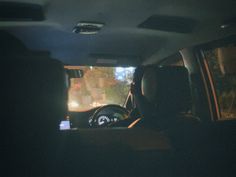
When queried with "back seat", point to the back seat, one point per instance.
{"points": [[34, 97]]}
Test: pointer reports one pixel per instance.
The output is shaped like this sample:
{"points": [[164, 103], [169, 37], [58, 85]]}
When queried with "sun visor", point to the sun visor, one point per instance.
{"points": [[169, 24]]}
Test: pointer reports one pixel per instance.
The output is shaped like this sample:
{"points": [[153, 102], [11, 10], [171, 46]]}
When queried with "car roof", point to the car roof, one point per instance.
{"points": [[135, 31]]}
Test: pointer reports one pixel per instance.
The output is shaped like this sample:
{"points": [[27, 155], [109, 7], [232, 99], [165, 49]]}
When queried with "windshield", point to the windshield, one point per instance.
{"points": [[99, 86]]}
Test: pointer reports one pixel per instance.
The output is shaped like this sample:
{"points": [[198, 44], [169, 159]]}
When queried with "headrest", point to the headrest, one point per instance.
{"points": [[10, 45], [33, 103], [35, 96], [167, 89], [137, 78]]}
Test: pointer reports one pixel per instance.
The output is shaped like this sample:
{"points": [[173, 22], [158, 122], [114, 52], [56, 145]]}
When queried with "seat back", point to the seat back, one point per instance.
{"points": [[165, 93], [35, 100]]}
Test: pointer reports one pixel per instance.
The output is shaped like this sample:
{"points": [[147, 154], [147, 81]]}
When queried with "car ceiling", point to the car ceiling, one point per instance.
{"points": [[120, 40]]}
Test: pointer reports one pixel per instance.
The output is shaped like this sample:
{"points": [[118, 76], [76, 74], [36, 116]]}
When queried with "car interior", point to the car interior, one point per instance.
{"points": [[118, 88]]}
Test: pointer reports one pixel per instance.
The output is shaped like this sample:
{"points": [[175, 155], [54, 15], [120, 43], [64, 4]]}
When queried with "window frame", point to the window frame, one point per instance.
{"points": [[209, 87], [208, 77]]}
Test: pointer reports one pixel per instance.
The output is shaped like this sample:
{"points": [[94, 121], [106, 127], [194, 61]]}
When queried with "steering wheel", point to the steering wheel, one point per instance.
{"points": [[108, 115]]}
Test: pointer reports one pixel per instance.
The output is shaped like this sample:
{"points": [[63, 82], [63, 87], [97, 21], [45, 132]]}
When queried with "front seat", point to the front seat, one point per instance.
{"points": [[34, 101], [135, 91], [165, 98]]}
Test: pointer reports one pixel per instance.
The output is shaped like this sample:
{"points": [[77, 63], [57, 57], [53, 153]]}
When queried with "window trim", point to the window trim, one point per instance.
{"points": [[201, 104], [210, 87], [208, 78], [206, 83]]}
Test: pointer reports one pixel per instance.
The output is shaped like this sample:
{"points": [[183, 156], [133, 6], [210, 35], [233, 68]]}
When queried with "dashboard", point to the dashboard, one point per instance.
{"points": [[106, 118], [108, 115], [103, 116]]}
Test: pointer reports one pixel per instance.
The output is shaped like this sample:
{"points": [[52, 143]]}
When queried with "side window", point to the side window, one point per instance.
{"points": [[222, 65]]}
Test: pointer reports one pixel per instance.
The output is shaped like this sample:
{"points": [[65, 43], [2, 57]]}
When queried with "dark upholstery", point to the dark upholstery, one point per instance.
{"points": [[165, 94], [167, 88], [137, 79], [136, 92], [10, 45], [34, 101]]}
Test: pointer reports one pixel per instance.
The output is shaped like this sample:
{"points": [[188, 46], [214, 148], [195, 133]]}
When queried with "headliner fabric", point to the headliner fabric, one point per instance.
{"points": [[121, 35]]}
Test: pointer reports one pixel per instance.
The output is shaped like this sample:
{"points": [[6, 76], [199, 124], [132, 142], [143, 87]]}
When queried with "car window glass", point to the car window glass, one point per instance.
{"points": [[222, 65], [99, 86]]}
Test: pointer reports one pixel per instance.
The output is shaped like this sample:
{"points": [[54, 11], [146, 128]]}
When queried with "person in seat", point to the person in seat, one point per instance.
{"points": [[34, 97], [165, 98]]}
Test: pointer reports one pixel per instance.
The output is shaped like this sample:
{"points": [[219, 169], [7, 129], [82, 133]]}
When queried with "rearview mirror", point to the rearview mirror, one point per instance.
{"points": [[74, 72]]}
